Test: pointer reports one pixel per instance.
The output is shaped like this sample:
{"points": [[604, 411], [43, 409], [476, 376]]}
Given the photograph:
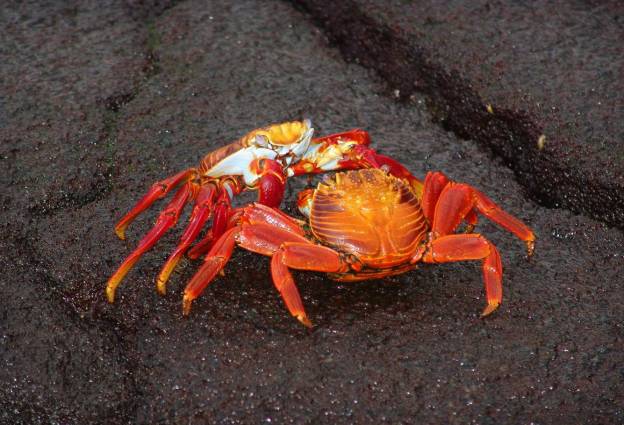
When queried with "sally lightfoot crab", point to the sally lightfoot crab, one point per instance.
{"points": [[374, 221], [365, 224], [261, 160]]}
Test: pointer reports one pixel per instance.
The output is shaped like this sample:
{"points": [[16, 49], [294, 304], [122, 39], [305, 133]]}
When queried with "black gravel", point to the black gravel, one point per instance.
{"points": [[100, 100]]}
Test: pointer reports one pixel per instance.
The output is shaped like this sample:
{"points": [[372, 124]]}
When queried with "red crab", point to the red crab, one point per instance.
{"points": [[261, 160], [375, 221], [365, 224]]}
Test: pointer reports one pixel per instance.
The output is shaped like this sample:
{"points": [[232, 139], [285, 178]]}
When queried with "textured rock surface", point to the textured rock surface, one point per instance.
{"points": [[102, 101], [540, 84]]}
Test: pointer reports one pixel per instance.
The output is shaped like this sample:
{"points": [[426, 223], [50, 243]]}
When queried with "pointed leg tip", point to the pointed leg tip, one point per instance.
{"points": [[161, 287], [305, 321], [489, 309], [530, 248], [120, 232], [110, 293], [186, 305]]}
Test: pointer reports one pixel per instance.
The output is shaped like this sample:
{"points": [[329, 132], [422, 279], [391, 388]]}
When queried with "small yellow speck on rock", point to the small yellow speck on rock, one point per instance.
{"points": [[541, 142], [489, 108]]}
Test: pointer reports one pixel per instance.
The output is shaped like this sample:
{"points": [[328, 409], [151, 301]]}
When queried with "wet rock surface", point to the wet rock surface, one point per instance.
{"points": [[539, 84], [102, 101]]}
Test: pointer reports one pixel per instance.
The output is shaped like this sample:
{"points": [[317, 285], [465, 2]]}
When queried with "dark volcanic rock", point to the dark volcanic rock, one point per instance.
{"points": [[101, 102], [540, 84]]}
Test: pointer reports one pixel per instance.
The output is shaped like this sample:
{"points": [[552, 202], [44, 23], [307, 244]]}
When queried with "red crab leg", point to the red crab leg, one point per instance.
{"points": [[261, 238], [253, 214], [488, 208], [201, 213], [454, 203], [471, 247], [301, 256], [457, 202], [434, 183], [471, 220], [216, 259], [221, 214], [201, 247], [157, 191], [204, 245], [167, 218], [271, 186], [258, 213]]}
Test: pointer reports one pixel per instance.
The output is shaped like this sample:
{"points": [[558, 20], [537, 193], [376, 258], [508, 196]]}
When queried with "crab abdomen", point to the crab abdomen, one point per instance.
{"points": [[369, 214]]}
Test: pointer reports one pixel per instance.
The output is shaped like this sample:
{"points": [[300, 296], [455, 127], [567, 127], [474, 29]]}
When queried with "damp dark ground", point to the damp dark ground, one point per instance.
{"points": [[100, 100]]}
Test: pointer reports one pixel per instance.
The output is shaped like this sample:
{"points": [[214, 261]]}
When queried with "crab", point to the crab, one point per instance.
{"points": [[365, 224], [261, 160], [370, 220]]}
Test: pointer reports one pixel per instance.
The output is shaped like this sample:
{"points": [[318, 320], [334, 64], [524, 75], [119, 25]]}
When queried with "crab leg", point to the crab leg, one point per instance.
{"points": [[458, 201], [201, 247], [301, 256], [274, 234], [454, 203], [488, 208], [157, 191], [270, 184], [255, 214], [471, 220], [472, 246], [201, 213], [167, 218], [222, 220], [258, 213], [221, 214], [260, 238], [215, 261], [434, 184]]}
